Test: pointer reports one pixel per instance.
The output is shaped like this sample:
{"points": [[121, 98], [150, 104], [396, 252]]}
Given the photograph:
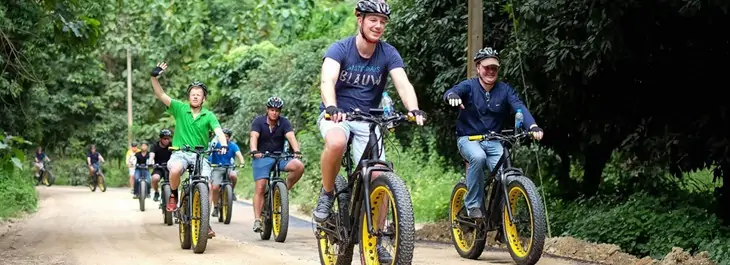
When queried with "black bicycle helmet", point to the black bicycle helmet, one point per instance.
{"points": [[372, 7], [227, 132], [275, 102], [485, 53], [198, 84], [165, 132]]}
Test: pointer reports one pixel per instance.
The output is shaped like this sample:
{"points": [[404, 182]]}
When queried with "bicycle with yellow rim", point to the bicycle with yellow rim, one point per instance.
{"points": [[224, 202], [507, 194], [275, 213], [193, 215], [362, 204]]}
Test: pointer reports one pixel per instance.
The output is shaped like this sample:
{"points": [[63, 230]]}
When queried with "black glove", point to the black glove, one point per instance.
{"points": [[535, 129], [332, 110], [418, 112], [453, 99], [156, 72], [254, 152]]}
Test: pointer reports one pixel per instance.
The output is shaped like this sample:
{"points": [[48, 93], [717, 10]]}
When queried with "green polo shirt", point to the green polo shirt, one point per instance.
{"points": [[192, 132]]}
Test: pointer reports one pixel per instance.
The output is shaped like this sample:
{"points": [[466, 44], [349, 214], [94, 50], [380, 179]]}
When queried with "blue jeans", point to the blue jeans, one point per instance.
{"points": [[138, 175], [478, 154]]}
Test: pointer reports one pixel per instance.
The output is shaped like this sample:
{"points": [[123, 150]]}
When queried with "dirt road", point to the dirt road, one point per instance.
{"points": [[76, 226]]}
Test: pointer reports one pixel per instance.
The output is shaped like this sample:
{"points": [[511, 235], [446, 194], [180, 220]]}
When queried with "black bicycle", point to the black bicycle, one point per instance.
{"points": [[224, 202], [193, 215], [502, 188], [275, 213], [166, 191], [97, 180], [45, 175], [362, 204], [142, 185]]}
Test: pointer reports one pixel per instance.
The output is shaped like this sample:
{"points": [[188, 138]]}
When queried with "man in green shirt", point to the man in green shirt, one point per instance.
{"points": [[192, 125]]}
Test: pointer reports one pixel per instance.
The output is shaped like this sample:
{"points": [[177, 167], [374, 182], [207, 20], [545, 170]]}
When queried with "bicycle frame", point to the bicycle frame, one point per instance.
{"points": [[194, 176], [359, 184], [275, 174], [497, 178]]}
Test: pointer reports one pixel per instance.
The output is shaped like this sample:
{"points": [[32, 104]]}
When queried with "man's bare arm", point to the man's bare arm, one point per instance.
{"points": [[330, 71]]}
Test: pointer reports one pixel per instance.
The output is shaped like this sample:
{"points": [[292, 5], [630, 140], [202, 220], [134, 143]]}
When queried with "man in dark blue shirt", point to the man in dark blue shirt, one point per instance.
{"points": [[92, 160], [483, 103], [268, 133]]}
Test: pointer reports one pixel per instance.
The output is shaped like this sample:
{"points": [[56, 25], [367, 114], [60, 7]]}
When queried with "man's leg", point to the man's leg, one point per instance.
{"points": [[295, 169], [138, 175], [473, 153], [132, 172], [234, 178], [156, 184], [215, 188], [261, 170], [176, 166], [335, 143]]}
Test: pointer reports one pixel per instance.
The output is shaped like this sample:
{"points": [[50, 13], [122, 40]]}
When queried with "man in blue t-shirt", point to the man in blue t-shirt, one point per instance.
{"points": [[354, 74], [268, 134], [483, 102], [224, 160], [92, 160]]}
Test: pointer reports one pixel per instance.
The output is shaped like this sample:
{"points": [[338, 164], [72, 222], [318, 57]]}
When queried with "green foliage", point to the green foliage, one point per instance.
{"points": [[16, 184], [643, 225]]}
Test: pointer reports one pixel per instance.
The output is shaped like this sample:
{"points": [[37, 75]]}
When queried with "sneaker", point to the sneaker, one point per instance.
{"points": [[234, 197], [383, 255], [215, 212], [211, 233], [135, 196], [324, 206], [171, 204], [257, 226], [157, 196], [475, 213]]}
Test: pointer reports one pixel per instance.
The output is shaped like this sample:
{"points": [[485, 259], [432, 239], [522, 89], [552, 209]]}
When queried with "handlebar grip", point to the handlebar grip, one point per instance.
{"points": [[173, 148], [476, 137], [412, 118], [327, 116]]}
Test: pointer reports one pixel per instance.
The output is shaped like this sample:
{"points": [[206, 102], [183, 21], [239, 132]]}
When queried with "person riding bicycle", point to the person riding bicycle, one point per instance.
{"points": [[130, 159], [268, 133], [40, 156], [224, 160], [160, 154], [92, 160], [192, 124], [142, 159], [482, 103], [356, 69]]}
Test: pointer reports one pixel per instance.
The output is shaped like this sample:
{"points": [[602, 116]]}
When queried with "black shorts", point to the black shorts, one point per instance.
{"points": [[159, 171]]}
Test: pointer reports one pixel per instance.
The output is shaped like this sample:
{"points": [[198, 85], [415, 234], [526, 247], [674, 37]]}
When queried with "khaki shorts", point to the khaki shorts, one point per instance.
{"points": [[358, 129], [188, 158]]}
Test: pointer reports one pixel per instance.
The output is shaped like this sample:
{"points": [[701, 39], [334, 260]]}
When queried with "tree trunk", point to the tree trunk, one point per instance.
{"points": [[596, 157]]}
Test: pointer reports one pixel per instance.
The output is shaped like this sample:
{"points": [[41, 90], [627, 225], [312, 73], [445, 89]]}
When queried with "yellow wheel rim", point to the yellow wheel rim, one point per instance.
{"points": [[182, 225], [45, 179], [195, 218], [327, 250], [224, 207], [369, 242], [513, 237], [100, 181], [276, 212], [463, 242]]}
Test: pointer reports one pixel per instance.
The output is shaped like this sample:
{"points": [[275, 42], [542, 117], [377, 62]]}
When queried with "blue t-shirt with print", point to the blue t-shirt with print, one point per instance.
{"points": [[224, 159], [361, 81]]}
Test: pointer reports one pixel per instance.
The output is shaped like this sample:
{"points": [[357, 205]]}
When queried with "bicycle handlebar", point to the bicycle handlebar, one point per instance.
{"points": [[279, 155], [198, 149], [502, 136], [358, 115]]}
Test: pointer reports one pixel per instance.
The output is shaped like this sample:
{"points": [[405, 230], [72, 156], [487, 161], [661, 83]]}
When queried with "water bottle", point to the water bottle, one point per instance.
{"points": [[387, 105], [286, 146], [518, 119]]}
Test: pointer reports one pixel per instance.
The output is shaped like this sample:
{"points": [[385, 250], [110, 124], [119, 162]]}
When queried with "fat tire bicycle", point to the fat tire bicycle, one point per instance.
{"points": [[224, 202], [358, 214], [275, 213], [97, 180], [141, 185], [166, 191], [193, 215], [45, 175], [502, 187]]}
